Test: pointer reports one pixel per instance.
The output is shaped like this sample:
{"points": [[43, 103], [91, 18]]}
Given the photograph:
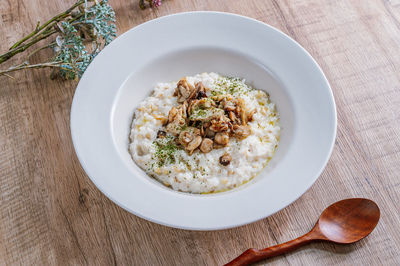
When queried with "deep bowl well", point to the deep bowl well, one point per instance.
{"points": [[190, 62]]}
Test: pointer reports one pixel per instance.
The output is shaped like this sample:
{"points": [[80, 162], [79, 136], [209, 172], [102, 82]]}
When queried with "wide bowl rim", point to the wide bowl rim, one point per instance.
{"points": [[75, 131]]}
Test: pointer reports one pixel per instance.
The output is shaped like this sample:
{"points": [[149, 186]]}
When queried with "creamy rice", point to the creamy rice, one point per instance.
{"points": [[202, 172]]}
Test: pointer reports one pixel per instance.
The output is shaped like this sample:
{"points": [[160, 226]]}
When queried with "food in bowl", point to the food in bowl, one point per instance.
{"points": [[205, 133]]}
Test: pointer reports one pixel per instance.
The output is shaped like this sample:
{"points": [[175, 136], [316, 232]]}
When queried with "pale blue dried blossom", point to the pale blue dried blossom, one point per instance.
{"points": [[96, 25]]}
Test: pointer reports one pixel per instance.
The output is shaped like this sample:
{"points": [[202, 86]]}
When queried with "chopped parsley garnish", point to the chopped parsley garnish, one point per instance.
{"points": [[230, 85], [165, 151]]}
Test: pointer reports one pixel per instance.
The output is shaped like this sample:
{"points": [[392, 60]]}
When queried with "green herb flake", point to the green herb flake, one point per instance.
{"points": [[165, 151], [230, 85]]}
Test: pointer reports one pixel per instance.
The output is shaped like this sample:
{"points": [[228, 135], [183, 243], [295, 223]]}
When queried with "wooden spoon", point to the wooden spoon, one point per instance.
{"points": [[344, 222]]}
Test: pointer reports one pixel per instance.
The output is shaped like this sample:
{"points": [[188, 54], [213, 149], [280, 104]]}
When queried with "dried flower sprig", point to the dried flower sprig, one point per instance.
{"points": [[81, 32], [151, 3]]}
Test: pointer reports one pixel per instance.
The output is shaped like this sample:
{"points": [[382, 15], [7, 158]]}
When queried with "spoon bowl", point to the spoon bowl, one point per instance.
{"points": [[346, 221]]}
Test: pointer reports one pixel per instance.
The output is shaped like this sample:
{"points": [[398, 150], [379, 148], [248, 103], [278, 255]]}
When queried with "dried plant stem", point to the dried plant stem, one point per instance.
{"points": [[76, 27], [25, 66], [39, 49], [39, 33], [43, 35], [54, 20]]}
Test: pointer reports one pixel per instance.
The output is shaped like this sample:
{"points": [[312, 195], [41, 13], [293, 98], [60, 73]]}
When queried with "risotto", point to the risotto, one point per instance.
{"points": [[205, 133]]}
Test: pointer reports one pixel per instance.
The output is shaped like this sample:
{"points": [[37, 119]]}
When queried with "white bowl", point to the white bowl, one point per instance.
{"points": [[168, 48]]}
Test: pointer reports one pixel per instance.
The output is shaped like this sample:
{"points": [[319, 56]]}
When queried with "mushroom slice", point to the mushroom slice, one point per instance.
{"points": [[220, 124], [241, 131], [183, 90], [201, 90], [176, 119], [206, 145], [225, 159], [221, 138], [187, 135], [209, 133], [172, 113], [193, 144]]}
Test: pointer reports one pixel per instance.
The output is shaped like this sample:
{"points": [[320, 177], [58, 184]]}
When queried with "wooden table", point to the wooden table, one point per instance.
{"points": [[51, 213]]}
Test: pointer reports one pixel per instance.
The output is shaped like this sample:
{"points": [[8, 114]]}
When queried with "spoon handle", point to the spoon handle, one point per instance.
{"points": [[253, 255]]}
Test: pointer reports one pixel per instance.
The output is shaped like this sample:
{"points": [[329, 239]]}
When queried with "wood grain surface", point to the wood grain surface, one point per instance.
{"points": [[51, 213]]}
